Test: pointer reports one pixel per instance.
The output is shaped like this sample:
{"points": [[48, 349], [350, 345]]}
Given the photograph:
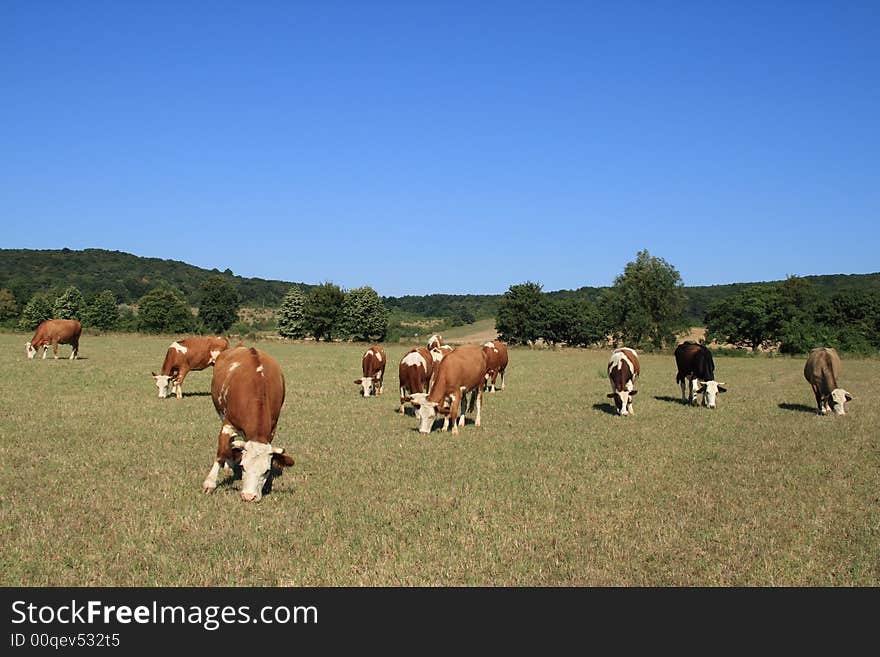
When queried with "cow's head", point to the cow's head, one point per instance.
{"points": [[260, 463], [426, 411], [709, 390], [435, 341], [369, 385], [839, 397], [622, 399], [163, 381], [31, 351]]}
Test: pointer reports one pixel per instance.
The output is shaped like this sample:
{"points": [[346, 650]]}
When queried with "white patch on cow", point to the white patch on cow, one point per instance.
{"points": [[414, 358], [31, 352], [260, 368], [710, 390], [378, 355], [425, 411], [256, 462], [436, 355], [491, 345], [434, 341], [228, 430], [234, 366], [178, 347], [214, 354], [617, 359]]}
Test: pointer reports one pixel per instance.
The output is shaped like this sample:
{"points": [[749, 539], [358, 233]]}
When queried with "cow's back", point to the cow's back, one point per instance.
{"points": [[464, 367], [822, 369], [247, 388], [58, 329]]}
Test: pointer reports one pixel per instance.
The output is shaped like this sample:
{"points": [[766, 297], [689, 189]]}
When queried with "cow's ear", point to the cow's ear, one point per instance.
{"points": [[281, 460], [154, 374], [610, 395], [847, 396], [357, 381], [721, 388], [700, 390], [632, 392]]}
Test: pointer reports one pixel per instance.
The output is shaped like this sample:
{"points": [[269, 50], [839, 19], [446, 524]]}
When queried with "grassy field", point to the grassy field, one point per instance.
{"points": [[102, 480]]}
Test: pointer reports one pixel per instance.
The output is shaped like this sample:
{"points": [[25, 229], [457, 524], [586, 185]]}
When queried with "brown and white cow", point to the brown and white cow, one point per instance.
{"points": [[247, 388], [822, 371], [414, 373], [184, 356], [373, 368], [696, 374], [496, 356], [623, 370], [463, 370], [435, 341], [54, 332]]}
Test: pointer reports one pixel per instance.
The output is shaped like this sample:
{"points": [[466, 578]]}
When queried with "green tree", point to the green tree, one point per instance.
{"points": [[8, 305], [574, 321], [800, 311], [101, 312], [750, 318], [219, 303], [522, 313], [164, 311], [324, 311], [69, 305], [645, 306], [36, 311], [364, 317], [292, 315]]}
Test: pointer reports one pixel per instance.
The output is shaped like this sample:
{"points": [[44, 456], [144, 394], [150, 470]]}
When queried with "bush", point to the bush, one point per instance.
{"points": [[164, 311]]}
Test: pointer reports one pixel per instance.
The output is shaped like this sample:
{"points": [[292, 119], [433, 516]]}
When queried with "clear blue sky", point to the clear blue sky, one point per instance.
{"points": [[454, 147]]}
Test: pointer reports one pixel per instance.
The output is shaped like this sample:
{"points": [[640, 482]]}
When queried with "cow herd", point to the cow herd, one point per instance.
{"points": [[247, 388]]}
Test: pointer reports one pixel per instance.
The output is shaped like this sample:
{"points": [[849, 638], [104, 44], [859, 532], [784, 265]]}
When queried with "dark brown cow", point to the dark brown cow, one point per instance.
{"points": [[623, 370], [54, 332], [414, 373], [461, 371], [248, 391], [822, 371], [373, 368], [496, 356], [184, 356], [696, 373]]}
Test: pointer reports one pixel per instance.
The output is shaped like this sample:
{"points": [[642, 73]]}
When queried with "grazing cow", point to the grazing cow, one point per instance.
{"points": [[461, 371], [248, 391], [623, 370], [435, 341], [373, 367], [496, 356], [695, 365], [414, 373], [822, 371], [184, 356], [54, 332]]}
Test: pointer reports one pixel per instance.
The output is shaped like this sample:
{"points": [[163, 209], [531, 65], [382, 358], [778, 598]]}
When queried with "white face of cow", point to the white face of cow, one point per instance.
{"points": [[256, 467], [31, 352], [425, 411], [623, 400], [162, 383], [839, 397], [369, 385], [710, 390]]}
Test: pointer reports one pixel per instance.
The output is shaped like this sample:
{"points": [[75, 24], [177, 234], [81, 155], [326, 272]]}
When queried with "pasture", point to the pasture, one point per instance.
{"points": [[102, 480]]}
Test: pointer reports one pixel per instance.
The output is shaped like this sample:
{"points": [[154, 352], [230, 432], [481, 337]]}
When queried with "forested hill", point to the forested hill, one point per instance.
{"points": [[27, 271]]}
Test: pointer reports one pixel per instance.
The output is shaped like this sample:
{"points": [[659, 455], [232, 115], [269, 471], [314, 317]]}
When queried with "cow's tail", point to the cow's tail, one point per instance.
{"points": [[261, 402]]}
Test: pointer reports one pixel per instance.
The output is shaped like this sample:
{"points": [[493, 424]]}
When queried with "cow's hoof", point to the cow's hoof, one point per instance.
{"points": [[208, 487]]}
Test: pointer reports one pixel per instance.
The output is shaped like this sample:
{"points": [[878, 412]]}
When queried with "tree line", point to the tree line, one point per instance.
{"points": [[647, 307], [327, 312]]}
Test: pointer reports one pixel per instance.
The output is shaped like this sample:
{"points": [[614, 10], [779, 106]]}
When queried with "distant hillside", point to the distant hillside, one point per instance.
{"points": [[27, 271]]}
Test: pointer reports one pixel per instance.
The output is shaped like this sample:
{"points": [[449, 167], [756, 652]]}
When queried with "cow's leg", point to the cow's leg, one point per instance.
{"points": [[820, 400], [55, 348], [684, 397], [381, 382], [453, 413], [75, 352], [402, 395], [479, 395], [45, 350], [181, 375], [629, 405], [502, 379], [226, 434]]}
